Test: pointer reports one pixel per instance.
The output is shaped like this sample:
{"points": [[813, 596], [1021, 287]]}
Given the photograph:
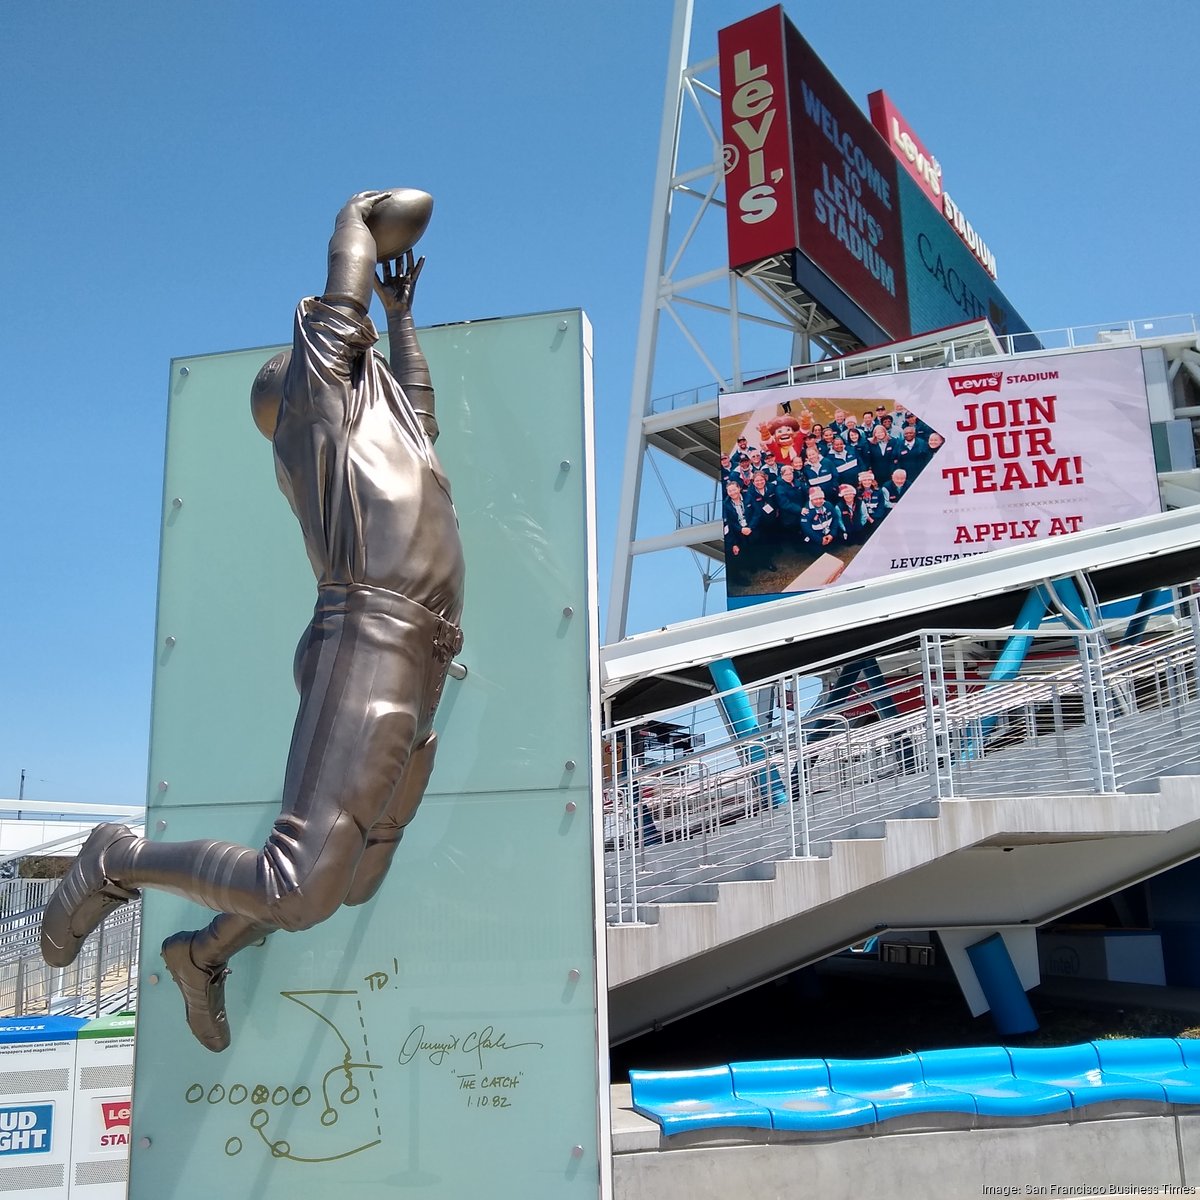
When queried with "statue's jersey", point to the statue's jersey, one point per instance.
{"points": [[359, 470]]}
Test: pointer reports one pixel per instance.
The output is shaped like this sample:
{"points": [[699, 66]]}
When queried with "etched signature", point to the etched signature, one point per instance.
{"points": [[474, 1044]]}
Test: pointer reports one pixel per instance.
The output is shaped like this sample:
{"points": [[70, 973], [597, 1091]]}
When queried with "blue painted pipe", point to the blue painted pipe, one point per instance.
{"points": [[1148, 603], [742, 720], [1033, 610], [1017, 647], [1011, 1010], [840, 695], [735, 702], [873, 677], [1068, 596]]}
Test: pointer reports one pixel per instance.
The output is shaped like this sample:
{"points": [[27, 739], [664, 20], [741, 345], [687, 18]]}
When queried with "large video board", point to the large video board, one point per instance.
{"points": [[807, 175], [851, 480]]}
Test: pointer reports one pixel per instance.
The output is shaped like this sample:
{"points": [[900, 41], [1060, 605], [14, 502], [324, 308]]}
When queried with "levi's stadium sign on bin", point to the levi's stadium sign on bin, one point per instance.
{"points": [[808, 178], [855, 479], [103, 1108]]}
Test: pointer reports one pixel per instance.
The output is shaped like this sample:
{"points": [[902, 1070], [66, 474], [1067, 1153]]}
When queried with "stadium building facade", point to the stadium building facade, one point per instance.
{"points": [[956, 733]]}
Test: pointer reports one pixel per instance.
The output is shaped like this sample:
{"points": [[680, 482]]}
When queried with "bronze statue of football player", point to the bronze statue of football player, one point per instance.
{"points": [[354, 456]]}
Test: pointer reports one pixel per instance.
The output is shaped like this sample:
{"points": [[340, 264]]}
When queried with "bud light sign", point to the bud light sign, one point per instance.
{"points": [[26, 1129]]}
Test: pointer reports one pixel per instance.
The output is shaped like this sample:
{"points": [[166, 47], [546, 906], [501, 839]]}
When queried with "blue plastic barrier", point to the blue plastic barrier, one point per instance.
{"points": [[1077, 1068], [895, 1086], [1160, 1060], [986, 1073], [700, 1099], [991, 1081], [797, 1094]]}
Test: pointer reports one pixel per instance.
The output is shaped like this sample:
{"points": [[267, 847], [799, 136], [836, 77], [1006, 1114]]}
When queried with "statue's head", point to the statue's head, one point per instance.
{"points": [[398, 220], [266, 393]]}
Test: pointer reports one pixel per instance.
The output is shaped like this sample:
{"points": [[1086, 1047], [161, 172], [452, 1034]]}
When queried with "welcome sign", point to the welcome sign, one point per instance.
{"points": [[807, 176]]}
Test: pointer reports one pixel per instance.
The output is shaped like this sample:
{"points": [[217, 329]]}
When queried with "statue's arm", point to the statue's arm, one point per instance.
{"points": [[395, 286], [352, 255]]}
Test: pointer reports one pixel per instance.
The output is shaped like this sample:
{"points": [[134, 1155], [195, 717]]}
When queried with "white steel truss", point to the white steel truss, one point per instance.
{"points": [[722, 317], [687, 279]]}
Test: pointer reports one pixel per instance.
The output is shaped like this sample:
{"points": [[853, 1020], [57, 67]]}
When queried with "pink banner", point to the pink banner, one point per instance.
{"points": [[859, 478]]}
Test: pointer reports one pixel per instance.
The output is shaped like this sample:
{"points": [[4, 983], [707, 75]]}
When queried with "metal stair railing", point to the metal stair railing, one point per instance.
{"points": [[966, 347], [103, 978], [1084, 714]]}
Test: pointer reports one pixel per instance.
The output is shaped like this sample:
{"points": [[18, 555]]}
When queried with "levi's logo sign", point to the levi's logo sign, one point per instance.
{"points": [[987, 381], [115, 1112], [115, 1115]]}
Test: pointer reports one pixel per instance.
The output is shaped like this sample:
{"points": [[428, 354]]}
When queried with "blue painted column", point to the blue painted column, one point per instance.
{"points": [[1011, 1010], [743, 723]]}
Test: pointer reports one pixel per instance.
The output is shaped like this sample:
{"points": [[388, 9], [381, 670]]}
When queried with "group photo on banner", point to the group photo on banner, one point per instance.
{"points": [[850, 480]]}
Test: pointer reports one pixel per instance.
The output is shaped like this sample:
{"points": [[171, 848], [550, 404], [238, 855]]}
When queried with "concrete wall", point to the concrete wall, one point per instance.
{"points": [[1077, 1158]]}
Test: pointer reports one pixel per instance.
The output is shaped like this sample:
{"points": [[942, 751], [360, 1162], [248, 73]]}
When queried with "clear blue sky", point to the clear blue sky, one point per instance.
{"points": [[171, 171]]}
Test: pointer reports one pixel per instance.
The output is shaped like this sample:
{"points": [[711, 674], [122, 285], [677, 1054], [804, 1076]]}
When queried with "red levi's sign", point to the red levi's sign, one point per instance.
{"points": [[115, 1113], [966, 385], [908, 148], [806, 173], [911, 153], [112, 1134], [759, 185]]}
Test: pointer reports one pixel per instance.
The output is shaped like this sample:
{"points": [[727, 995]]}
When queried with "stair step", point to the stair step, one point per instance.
{"points": [[699, 875]]}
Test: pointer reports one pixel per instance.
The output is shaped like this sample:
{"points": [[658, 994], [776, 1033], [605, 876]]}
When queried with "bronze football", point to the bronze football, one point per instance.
{"points": [[398, 220]]}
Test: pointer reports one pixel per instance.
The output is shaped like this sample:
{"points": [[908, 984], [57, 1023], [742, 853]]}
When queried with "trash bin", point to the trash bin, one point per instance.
{"points": [[103, 1100], [37, 1066]]}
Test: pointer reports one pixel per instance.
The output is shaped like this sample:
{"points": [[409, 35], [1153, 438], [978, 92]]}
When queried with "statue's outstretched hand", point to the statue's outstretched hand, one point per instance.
{"points": [[396, 283]]}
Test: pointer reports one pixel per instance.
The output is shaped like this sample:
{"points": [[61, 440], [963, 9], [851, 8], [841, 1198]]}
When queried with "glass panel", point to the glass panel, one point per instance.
{"points": [[437, 1036]]}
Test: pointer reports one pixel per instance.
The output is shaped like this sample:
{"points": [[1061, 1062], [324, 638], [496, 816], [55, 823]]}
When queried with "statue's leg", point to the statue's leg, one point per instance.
{"points": [[369, 676], [224, 936], [386, 833], [371, 671], [363, 706], [198, 964]]}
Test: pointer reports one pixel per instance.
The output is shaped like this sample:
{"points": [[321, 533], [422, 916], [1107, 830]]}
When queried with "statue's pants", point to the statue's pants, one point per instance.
{"points": [[370, 670]]}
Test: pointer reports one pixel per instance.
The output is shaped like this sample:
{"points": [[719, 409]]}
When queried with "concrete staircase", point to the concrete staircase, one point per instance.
{"points": [[734, 921]]}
